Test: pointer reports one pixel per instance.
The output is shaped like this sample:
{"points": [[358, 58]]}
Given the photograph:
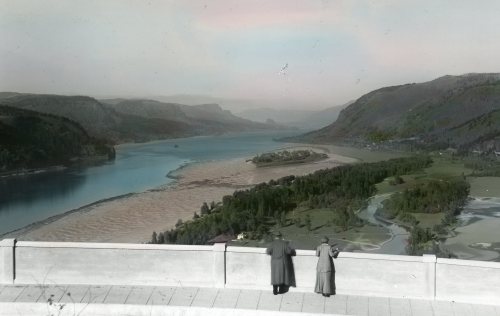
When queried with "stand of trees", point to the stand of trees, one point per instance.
{"points": [[254, 210], [287, 157], [446, 196]]}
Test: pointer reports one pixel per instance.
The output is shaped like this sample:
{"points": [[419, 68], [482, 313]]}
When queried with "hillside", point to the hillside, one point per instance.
{"points": [[452, 111], [203, 119], [121, 120], [31, 139]]}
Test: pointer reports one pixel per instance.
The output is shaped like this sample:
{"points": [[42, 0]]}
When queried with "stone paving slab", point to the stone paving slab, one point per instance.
{"points": [[211, 301], [442, 308], [227, 298], [379, 306], [183, 296], [96, 294], [357, 305], [249, 299], [140, 295], [336, 305], [161, 296], [270, 302], [30, 294], [205, 297], [292, 302], [484, 310], [74, 294], [10, 293], [313, 303], [118, 295], [421, 308], [52, 293], [400, 306]]}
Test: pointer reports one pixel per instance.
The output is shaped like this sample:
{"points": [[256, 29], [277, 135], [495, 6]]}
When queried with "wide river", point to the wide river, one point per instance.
{"points": [[137, 167]]}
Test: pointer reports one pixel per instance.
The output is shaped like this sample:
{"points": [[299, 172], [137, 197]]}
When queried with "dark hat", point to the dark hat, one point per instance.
{"points": [[324, 240], [278, 234]]}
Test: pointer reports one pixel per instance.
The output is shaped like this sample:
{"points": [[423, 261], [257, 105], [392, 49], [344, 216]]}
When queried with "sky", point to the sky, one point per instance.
{"points": [[312, 52]]}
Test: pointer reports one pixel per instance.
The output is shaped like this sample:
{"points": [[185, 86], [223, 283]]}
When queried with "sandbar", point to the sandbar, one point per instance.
{"points": [[132, 218]]}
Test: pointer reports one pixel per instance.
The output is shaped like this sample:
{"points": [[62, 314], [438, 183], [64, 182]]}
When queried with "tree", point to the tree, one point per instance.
{"points": [[153, 238], [283, 219], [204, 210], [195, 216], [298, 222], [179, 223], [161, 238], [308, 222]]}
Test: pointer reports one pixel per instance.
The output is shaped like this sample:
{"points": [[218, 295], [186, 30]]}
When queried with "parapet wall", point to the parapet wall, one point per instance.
{"points": [[25, 262]]}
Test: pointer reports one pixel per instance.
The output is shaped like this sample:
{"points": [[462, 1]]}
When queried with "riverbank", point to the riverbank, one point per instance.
{"points": [[132, 218]]}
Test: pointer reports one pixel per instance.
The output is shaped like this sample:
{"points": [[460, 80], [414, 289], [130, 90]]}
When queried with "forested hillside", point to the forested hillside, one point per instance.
{"points": [[30, 139], [460, 112]]}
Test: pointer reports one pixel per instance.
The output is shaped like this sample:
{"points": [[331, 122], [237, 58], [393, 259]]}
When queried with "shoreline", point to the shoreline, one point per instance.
{"points": [[133, 217]]}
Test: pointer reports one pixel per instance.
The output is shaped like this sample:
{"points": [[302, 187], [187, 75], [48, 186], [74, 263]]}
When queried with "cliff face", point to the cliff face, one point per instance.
{"points": [[456, 111], [31, 139]]}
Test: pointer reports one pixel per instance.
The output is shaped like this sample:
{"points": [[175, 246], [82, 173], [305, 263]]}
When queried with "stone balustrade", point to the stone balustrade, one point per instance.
{"points": [[26, 262]]}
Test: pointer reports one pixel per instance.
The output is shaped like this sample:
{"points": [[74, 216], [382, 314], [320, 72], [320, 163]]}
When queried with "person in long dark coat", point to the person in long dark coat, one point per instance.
{"points": [[282, 272], [325, 269]]}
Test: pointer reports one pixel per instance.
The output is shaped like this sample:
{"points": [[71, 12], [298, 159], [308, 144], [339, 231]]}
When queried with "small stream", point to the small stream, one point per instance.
{"points": [[397, 243]]}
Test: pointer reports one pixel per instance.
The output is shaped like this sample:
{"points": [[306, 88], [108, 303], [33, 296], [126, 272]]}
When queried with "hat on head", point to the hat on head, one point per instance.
{"points": [[278, 234], [324, 240]]}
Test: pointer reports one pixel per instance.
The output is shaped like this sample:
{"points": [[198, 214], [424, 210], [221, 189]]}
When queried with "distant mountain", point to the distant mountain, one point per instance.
{"points": [[122, 120], [203, 119], [305, 119], [261, 114], [31, 139], [452, 111]]}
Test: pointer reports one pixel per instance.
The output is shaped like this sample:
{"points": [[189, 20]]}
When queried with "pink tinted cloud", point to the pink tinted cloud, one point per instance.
{"points": [[221, 14]]}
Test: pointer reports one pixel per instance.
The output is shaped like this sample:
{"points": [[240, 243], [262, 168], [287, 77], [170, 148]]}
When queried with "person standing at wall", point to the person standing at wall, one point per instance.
{"points": [[325, 269], [282, 272]]}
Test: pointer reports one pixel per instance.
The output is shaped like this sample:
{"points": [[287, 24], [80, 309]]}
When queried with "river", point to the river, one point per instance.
{"points": [[137, 168], [396, 244]]}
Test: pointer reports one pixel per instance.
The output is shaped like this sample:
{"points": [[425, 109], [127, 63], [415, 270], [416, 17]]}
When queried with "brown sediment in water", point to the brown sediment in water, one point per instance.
{"points": [[133, 217]]}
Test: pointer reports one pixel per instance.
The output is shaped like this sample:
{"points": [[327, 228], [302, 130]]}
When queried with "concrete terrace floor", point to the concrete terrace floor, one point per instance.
{"points": [[140, 300]]}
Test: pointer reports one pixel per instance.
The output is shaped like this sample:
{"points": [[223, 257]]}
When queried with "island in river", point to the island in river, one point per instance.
{"points": [[133, 217]]}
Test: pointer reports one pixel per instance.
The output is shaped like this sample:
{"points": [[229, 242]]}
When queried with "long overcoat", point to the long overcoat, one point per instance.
{"points": [[325, 270], [282, 271]]}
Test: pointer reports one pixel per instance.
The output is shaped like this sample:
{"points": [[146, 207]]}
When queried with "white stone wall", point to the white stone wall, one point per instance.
{"points": [[120, 264], [357, 273], [243, 267], [468, 281]]}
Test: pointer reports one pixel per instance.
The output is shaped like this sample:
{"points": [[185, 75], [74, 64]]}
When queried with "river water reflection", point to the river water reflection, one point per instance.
{"points": [[138, 167]]}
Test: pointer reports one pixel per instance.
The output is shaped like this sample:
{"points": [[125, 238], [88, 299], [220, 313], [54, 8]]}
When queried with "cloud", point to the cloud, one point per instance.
{"points": [[336, 50]]}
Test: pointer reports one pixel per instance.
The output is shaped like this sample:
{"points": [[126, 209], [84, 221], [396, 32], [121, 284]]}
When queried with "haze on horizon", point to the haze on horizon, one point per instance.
{"points": [[316, 53]]}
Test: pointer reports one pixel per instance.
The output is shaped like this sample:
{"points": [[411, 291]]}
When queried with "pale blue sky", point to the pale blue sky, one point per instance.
{"points": [[335, 50]]}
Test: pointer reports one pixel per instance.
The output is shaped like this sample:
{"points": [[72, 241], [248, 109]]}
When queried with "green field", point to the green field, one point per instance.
{"points": [[369, 236], [365, 237], [484, 186]]}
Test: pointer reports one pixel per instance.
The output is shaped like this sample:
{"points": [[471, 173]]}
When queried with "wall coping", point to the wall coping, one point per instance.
{"points": [[469, 263], [235, 249], [7, 242], [44, 244], [350, 255]]}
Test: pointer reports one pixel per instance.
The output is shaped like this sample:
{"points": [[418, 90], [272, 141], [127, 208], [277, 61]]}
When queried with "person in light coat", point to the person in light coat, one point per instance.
{"points": [[325, 269], [282, 272]]}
